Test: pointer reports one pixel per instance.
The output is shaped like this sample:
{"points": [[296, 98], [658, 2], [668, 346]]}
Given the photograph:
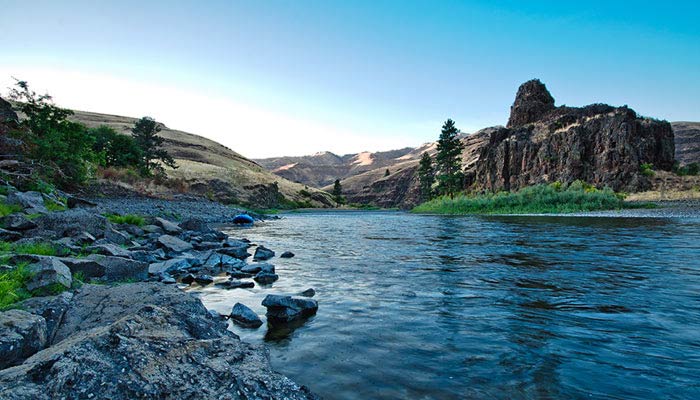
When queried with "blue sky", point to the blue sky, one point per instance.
{"points": [[270, 78]]}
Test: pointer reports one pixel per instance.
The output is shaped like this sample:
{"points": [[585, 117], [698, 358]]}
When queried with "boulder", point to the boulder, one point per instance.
{"points": [[72, 222], [168, 227], [204, 279], [235, 284], [48, 272], [240, 253], [120, 269], [262, 253], [9, 236], [153, 229], [17, 222], [116, 237], [31, 202], [168, 280], [195, 224], [207, 245], [83, 238], [172, 265], [51, 308], [21, 335], [310, 292], [239, 274], [287, 254], [79, 202], [288, 308], [172, 244], [266, 278], [242, 315], [145, 340], [251, 269], [109, 249], [188, 279]]}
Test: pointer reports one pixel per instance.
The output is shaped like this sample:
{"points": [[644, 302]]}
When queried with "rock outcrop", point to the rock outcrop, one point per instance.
{"points": [[687, 136], [599, 144], [141, 340]]}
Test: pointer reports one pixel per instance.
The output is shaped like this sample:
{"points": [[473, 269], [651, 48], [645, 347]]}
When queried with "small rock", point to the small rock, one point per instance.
{"points": [[109, 249], [116, 237], [77, 202], [17, 222], [169, 280], [173, 244], [204, 279], [235, 284], [9, 236], [287, 254], [169, 227], [31, 202], [262, 253], [21, 335], [48, 272], [187, 279], [266, 278], [240, 253], [83, 238], [244, 316], [308, 293], [195, 224], [172, 265], [251, 269], [239, 274], [152, 229], [288, 308]]}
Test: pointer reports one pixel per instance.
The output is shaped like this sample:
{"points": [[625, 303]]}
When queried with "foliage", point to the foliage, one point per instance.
{"points": [[55, 205], [448, 160], [690, 169], [62, 148], [153, 156], [130, 219], [39, 248], [426, 177], [338, 192], [539, 199], [115, 149], [12, 286], [647, 169], [7, 209]]}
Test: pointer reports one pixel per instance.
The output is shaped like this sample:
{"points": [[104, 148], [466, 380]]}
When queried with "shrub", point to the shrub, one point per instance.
{"points": [[7, 209], [114, 149], [552, 198], [130, 219], [647, 169], [12, 286]]}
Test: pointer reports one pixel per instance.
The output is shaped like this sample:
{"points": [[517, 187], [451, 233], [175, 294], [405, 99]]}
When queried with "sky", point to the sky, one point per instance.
{"points": [[273, 78]]}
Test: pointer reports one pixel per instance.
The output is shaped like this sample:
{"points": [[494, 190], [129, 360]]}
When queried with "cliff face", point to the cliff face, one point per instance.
{"points": [[599, 144], [687, 142]]}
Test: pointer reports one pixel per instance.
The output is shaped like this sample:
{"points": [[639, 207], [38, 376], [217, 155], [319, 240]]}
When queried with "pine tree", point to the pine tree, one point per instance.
{"points": [[145, 134], [338, 192], [449, 160], [426, 176]]}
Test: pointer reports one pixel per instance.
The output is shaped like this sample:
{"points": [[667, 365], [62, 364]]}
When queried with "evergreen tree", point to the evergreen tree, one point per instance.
{"points": [[338, 192], [145, 134], [426, 176], [387, 173], [449, 160]]}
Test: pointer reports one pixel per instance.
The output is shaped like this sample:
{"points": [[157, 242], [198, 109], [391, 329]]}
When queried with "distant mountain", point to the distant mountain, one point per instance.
{"points": [[214, 170], [324, 168], [687, 141]]}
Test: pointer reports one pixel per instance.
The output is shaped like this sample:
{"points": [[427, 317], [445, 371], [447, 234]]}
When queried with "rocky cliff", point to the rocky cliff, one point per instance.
{"points": [[599, 144], [687, 136]]}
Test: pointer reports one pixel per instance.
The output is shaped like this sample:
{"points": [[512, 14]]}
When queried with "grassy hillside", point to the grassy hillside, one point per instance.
{"points": [[209, 168]]}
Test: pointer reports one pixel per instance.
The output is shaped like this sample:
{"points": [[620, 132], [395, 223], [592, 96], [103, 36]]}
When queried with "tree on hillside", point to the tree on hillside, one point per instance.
{"points": [[426, 176], [145, 133], [387, 173], [449, 160], [338, 192], [62, 149], [114, 149]]}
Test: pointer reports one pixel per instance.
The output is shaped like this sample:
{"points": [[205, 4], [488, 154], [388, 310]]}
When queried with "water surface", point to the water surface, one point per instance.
{"points": [[430, 307]]}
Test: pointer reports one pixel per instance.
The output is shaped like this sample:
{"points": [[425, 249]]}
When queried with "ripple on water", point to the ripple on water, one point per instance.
{"points": [[484, 307]]}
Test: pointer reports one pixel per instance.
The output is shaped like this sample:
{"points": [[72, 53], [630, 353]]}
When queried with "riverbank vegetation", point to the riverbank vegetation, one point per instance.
{"points": [[538, 199]]}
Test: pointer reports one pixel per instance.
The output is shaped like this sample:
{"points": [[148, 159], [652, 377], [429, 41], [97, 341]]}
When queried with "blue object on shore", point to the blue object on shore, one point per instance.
{"points": [[243, 219]]}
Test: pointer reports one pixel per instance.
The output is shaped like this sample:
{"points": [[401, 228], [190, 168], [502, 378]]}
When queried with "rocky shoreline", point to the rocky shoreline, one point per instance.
{"points": [[107, 317]]}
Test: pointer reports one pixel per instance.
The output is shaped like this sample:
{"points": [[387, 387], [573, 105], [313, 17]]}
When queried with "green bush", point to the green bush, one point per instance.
{"points": [[126, 219], [538, 199], [12, 286], [647, 169], [690, 169], [7, 209], [114, 149]]}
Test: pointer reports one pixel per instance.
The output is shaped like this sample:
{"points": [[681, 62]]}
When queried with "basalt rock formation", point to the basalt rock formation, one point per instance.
{"points": [[599, 144], [687, 142]]}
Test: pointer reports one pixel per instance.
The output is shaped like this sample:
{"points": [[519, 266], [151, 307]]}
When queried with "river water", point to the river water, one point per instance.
{"points": [[431, 307]]}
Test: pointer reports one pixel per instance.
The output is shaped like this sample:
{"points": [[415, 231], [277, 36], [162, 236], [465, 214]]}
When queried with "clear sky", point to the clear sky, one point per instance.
{"points": [[271, 78]]}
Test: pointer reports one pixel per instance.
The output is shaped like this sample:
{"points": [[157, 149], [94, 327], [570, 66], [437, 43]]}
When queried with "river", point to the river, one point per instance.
{"points": [[431, 307]]}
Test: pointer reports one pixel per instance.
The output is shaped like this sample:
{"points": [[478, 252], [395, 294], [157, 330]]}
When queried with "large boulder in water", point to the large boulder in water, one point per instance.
{"points": [[145, 340], [288, 308]]}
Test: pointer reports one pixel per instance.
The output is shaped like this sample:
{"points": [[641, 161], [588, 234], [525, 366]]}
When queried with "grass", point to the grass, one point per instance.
{"points": [[40, 248], [7, 209], [12, 286], [129, 219], [538, 199], [55, 206]]}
